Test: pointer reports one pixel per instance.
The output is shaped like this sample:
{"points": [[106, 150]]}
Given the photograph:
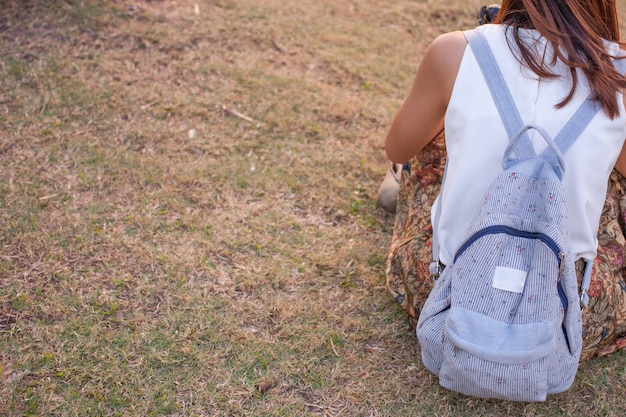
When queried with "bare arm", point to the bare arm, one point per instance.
{"points": [[421, 116], [620, 165]]}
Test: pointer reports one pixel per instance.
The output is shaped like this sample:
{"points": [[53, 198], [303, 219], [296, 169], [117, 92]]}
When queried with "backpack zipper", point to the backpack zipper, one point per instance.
{"points": [[551, 244], [491, 230]]}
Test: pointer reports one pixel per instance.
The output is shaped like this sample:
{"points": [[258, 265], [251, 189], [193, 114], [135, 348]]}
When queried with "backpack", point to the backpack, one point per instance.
{"points": [[504, 319]]}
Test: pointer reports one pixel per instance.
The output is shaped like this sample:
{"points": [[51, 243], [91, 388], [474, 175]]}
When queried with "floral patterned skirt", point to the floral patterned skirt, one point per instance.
{"points": [[410, 253]]}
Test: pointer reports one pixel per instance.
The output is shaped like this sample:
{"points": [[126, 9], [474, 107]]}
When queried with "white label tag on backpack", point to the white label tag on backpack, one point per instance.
{"points": [[509, 279]]}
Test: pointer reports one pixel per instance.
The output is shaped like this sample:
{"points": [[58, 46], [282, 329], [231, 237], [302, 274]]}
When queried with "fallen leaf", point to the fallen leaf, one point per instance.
{"points": [[264, 386]]}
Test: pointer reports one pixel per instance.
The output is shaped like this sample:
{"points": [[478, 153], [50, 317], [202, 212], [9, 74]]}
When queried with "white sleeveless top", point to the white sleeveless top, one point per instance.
{"points": [[476, 140]]}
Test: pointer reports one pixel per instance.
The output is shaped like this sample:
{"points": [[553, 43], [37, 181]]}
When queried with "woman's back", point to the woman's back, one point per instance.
{"points": [[476, 139]]}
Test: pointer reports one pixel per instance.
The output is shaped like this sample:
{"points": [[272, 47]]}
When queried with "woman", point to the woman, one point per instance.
{"points": [[554, 53]]}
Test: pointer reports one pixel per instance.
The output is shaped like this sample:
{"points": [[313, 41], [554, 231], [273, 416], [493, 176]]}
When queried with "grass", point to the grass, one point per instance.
{"points": [[187, 216]]}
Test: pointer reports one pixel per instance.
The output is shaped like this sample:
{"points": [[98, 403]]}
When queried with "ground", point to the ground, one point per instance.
{"points": [[188, 222]]}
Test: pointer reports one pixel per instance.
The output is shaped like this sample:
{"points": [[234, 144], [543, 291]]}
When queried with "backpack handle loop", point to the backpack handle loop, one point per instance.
{"points": [[510, 159]]}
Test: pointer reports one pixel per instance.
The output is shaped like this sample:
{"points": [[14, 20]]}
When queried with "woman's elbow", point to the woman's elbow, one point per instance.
{"points": [[394, 152]]}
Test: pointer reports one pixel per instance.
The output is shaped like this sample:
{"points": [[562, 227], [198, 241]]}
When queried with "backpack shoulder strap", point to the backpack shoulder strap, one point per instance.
{"points": [[499, 91], [579, 121], [508, 111], [573, 128]]}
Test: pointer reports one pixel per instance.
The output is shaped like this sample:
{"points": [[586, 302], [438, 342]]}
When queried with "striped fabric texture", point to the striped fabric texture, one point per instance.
{"points": [[518, 341]]}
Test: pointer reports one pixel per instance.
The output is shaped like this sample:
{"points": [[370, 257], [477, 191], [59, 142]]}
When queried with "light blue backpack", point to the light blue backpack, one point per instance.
{"points": [[504, 319]]}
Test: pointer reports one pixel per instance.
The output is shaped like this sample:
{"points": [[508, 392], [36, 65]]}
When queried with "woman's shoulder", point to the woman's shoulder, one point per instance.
{"points": [[445, 53], [447, 44]]}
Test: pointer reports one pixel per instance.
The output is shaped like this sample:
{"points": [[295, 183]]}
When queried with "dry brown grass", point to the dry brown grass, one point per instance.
{"points": [[187, 216]]}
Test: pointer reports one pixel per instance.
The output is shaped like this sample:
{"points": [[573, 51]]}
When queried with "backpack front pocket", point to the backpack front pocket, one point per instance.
{"points": [[495, 341], [487, 358]]}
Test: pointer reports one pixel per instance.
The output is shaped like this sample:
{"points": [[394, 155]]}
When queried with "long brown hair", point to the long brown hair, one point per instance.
{"points": [[576, 30]]}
